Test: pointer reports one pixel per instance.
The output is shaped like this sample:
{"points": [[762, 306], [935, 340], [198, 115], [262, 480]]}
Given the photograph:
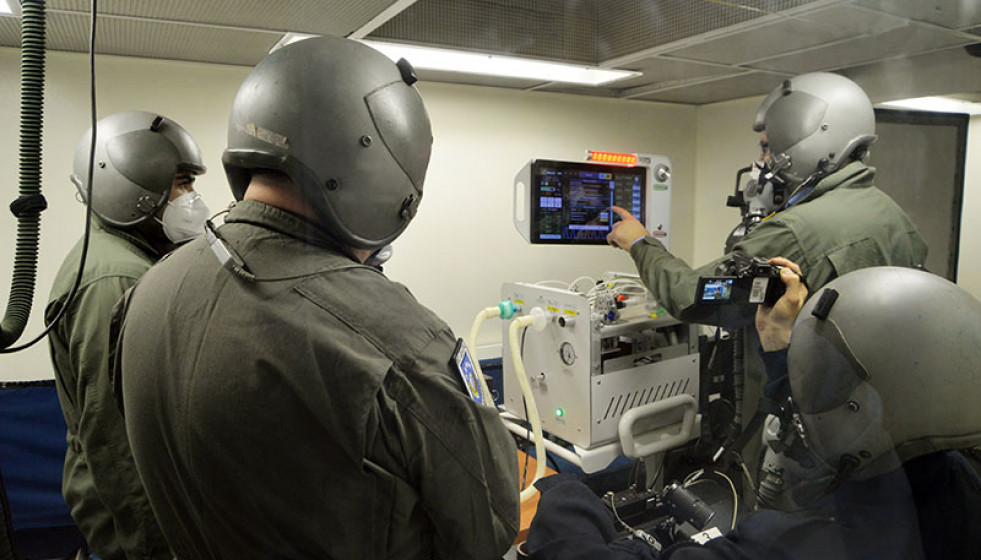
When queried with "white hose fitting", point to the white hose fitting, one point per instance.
{"points": [[504, 310], [540, 319]]}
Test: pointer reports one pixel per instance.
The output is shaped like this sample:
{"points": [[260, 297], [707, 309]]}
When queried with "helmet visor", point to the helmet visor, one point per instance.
{"points": [[793, 118]]}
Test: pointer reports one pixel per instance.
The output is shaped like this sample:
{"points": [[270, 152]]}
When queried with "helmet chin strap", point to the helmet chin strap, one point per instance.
{"points": [[804, 187], [824, 168]]}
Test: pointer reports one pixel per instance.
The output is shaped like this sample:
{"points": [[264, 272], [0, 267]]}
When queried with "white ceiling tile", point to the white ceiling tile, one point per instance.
{"points": [[935, 73], [854, 21], [154, 39], [910, 39], [747, 85], [953, 14], [327, 17], [663, 71], [764, 41]]}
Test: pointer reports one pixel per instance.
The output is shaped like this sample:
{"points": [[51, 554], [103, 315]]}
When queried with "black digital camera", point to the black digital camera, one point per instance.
{"points": [[742, 279], [730, 298]]}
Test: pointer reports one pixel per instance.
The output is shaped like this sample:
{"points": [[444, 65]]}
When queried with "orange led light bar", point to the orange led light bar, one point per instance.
{"points": [[612, 157]]}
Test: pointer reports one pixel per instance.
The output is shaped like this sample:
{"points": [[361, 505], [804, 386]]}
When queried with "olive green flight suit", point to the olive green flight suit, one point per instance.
{"points": [[845, 223], [311, 413], [100, 481]]}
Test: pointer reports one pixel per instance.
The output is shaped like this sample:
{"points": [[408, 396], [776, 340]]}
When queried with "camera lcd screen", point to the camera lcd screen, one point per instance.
{"points": [[715, 290], [571, 200]]}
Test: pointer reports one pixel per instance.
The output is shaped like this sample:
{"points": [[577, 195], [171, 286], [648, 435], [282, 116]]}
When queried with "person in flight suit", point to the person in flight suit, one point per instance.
{"points": [[825, 214], [284, 399], [144, 202]]}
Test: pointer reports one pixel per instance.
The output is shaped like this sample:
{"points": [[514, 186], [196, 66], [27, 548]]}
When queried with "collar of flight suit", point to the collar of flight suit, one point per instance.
{"points": [[855, 174], [276, 219], [131, 235]]}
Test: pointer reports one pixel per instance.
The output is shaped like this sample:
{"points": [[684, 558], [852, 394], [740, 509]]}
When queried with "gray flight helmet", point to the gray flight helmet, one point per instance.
{"points": [[346, 125], [137, 155], [813, 122], [883, 366]]}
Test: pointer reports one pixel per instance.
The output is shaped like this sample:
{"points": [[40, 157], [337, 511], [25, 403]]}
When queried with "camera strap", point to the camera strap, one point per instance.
{"points": [[764, 407]]}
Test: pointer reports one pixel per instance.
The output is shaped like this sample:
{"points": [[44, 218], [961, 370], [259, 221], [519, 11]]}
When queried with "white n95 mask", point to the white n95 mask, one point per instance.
{"points": [[184, 217]]}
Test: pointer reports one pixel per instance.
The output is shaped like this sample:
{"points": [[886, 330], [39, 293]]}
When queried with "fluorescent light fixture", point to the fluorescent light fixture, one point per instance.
{"points": [[9, 8], [937, 105], [496, 65], [288, 39], [486, 64]]}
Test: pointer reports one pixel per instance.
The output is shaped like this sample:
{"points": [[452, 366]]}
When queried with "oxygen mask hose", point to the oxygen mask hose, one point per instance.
{"points": [[538, 319], [28, 206], [504, 310]]}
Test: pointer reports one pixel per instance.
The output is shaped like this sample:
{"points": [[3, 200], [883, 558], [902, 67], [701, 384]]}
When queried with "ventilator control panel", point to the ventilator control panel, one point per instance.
{"points": [[568, 202]]}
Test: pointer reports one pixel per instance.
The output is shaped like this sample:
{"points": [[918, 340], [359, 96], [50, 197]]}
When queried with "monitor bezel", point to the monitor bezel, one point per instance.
{"points": [[536, 167]]}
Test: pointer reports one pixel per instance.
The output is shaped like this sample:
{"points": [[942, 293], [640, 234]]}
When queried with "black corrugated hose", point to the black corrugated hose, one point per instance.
{"points": [[30, 203]]}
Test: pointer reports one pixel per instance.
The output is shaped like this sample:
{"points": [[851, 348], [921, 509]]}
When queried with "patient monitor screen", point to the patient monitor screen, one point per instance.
{"points": [[571, 200]]}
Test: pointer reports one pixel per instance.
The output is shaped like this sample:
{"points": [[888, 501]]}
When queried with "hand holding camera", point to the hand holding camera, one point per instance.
{"points": [[774, 322], [745, 279]]}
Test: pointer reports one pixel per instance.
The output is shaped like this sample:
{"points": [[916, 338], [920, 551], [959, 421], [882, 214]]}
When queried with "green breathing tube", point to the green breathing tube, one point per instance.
{"points": [[28, 206]]}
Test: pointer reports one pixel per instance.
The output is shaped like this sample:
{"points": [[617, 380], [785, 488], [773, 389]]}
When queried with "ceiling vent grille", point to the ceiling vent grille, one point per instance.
{"points": [[628, 26], [550, 30]]}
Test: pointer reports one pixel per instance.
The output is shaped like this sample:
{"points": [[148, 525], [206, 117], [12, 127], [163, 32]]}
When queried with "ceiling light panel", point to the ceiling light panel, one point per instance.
{"points": [[495, 65], [938, 104], [660, 72]]}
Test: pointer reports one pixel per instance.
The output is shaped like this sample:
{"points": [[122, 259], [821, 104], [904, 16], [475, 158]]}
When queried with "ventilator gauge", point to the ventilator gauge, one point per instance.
{"points": [[568, 353]]}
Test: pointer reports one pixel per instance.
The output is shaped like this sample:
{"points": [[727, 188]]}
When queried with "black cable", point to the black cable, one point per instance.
{"points": [[229, 258], [657, 473], [524, 403], [633, 471], [88, 205], [6, 516], [549, 458], [524, 471]]}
